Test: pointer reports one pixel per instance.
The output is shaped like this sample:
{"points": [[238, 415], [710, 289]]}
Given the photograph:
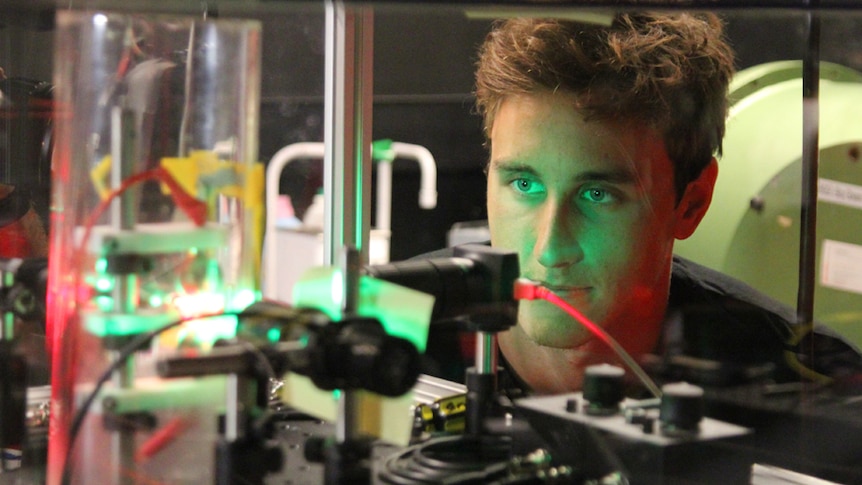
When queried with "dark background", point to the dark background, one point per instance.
{"points": [[423, 63]]}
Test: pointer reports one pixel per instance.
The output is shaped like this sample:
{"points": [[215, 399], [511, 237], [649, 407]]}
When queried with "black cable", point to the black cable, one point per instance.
{"points": [[449, 460], [130, 348]]}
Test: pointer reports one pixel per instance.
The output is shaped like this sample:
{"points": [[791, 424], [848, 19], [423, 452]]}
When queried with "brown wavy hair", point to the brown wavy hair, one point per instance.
{"points": [[670, 71]]}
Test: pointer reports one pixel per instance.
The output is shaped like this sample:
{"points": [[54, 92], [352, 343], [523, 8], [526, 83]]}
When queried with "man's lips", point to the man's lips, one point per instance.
{"points": [[565, 290], [571, 293]]}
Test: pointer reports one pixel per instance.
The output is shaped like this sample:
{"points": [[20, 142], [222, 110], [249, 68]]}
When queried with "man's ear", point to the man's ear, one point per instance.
{"points": [[695, 201]]}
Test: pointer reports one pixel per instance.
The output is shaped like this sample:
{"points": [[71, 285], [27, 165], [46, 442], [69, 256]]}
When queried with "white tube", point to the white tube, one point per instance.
{"points": [[383, 212], [427, 167], [427, 192], [273, 173]]}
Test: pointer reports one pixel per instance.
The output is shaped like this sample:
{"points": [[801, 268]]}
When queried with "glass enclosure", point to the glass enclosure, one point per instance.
{"points": [[157, 213], [184, 148]]}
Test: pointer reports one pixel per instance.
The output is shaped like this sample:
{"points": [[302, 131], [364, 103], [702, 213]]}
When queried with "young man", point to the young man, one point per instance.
{"points": [[602, 143]]}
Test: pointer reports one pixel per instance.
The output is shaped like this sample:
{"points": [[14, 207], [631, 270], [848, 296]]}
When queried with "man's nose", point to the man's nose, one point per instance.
{"points": [[556, 229]]}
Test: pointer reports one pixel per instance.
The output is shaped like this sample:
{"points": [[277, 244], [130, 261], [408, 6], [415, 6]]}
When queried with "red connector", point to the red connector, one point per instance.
{"points": [[527, 290]]}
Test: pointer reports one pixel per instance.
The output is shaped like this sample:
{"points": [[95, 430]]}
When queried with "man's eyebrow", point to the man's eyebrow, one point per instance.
{"points": [[510, 166], [614, 175]]}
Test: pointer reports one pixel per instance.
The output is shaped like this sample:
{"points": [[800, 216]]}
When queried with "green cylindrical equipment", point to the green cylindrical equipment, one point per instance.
{"points": [[752, 230]]}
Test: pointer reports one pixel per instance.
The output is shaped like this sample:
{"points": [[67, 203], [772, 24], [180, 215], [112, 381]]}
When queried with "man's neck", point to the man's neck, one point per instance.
{"points": [[550, 370]]}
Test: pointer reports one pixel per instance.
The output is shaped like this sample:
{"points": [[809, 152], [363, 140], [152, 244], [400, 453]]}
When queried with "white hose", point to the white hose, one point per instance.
{"points": [[427, 167], [427, 192], [273, 175]]}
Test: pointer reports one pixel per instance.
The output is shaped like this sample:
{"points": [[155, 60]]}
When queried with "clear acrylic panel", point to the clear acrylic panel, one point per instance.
{"points": [[157, 218]]}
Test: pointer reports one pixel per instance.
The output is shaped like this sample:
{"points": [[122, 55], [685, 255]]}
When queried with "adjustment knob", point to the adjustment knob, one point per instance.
{"points": [[681, 408], [603, 389]]}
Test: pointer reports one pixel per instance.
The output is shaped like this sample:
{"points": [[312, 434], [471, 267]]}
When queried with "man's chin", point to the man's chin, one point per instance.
{"points": [[551, 327], [557, 336]]}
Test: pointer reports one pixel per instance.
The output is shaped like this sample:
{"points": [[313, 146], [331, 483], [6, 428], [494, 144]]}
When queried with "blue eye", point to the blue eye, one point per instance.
{"points": [[527, 186]]}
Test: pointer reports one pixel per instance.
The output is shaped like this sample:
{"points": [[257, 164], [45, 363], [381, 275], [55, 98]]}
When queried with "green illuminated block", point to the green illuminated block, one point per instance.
{"points": [[206, 331], [158, 238], [199, 394], [121, 325], [403, 312]]}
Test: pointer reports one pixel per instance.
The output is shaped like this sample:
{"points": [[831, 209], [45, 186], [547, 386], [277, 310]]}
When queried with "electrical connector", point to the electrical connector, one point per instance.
{"points": [[526, 289]]}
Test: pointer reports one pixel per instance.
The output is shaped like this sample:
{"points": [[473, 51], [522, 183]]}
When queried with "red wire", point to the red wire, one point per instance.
{"points": [[195, 209], [527, 290], [160, 439], [550, 296]]}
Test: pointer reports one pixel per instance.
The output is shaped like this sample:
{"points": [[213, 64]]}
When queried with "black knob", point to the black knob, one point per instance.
{"points": [[603, 388], [681, 408]]}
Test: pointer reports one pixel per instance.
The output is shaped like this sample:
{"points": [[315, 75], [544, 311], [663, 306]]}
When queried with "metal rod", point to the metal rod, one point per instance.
{"points": [[347, 154], [233, 397], [123, 143], [7, 330], [486, 353], [125, 293], [123, 139], [347, 130], [347, 426], [810, 168], [351, 267]]}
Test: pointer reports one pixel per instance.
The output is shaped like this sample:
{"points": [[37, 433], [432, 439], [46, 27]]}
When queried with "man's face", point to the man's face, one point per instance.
{"points": [[590, 209]]}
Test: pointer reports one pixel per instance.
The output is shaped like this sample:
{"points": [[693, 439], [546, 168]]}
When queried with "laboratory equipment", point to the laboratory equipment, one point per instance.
{"points": [[155, 236], [751, 231]]}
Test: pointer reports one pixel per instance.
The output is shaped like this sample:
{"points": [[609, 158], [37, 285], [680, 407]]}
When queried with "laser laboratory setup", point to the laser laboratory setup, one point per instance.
{"points": [[259, 242]]}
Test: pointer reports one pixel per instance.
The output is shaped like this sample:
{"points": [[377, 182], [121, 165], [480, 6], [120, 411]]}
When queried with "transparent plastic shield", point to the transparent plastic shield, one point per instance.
{"points": [[157, 219]]}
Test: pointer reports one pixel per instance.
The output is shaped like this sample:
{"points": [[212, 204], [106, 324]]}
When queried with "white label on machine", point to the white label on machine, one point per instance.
{"points": [[841, 266], [839, 193]]}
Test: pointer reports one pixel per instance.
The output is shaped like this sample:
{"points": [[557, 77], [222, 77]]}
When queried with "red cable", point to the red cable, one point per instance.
{"points": [[525, 290], [195, 209], [160, 439]]}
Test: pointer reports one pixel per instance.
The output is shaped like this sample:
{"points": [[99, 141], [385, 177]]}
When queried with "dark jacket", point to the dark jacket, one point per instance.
{"points": [[718, 331]]}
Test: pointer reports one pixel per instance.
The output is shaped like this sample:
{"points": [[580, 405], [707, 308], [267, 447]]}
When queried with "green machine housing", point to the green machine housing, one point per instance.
{"points": [[752, 230]]}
